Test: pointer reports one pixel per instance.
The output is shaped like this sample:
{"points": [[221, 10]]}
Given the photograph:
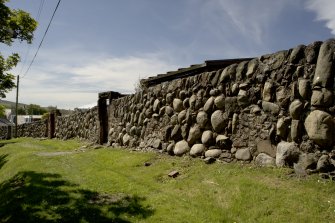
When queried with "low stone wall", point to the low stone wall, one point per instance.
{"points": [[34, 129], [277, 109], [78, 125], [3, 132]]}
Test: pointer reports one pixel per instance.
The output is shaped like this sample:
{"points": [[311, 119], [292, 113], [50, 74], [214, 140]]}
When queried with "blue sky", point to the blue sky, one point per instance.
{"points": [[102, 45]]}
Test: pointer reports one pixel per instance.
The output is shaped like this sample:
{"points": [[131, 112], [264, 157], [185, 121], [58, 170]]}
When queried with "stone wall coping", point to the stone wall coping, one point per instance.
{"points": [[208, 65]]}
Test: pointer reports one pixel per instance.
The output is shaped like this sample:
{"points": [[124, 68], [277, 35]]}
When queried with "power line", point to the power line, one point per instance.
{"points": [[40, 8], [46, 31]]}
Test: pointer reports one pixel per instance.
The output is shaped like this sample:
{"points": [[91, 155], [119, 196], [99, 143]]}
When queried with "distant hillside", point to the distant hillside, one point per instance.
{"points": [[11, 105]]}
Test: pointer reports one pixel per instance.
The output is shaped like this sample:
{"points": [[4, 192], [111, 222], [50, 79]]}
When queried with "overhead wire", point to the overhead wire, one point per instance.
{"points": [[39, 46], [38, 15]]}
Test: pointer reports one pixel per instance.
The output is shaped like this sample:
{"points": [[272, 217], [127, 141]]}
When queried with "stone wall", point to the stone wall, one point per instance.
{"points": [[80, 124], [3, 132], [34, 129], [277, 109], [83, 125]]}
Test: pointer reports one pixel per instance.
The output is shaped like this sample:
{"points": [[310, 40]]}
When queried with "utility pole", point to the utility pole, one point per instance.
{"points": [[17, 102]]}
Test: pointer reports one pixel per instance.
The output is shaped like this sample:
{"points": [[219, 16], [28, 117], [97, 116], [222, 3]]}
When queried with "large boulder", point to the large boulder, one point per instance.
{"points": [[194, 135], [324, 71], [181, 148], [263, 159], [241, 70], [296, 127], [177, 105], [192, 101], [209, 105], [228, 73], [252, 67], [312, 51], [219, 121], [243, 154], [207, 138], [156, 106], [282, 127], [287, 154], [126, 139], [270, 107], [304, 88], [219, 102], [267, 91], [296, 108], [322, 98], [202, 119], [319, 126], [169, 110], [182, 116], [214, 153], [197, 150], [157, 144], [265, 146], [297, 54]]}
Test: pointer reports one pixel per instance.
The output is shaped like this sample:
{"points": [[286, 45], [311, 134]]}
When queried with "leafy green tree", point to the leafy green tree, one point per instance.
{"points": [[21, 111], [33, 109], [2, 111], [14, 25], [45, 116]]}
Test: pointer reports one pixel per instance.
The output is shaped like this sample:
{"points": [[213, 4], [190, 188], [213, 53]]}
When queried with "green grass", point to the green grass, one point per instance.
{"points": [[113, 185]]}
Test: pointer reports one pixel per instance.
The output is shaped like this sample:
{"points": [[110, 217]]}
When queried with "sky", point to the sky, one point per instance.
{"points": [[109, 45]]}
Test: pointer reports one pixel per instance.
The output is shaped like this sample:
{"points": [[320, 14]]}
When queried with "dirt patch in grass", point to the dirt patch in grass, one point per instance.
{"points": [[55, 153], [62, 153]]}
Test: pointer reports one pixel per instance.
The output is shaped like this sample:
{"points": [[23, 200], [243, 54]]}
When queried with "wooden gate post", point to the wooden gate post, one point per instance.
{"points": [[103, 113], [103, 120], [51, 125], [9, 132]]}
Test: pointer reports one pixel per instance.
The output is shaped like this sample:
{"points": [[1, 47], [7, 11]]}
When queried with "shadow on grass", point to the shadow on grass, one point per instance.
{"points": [[43, 197], [5, 142], [3, 160]]}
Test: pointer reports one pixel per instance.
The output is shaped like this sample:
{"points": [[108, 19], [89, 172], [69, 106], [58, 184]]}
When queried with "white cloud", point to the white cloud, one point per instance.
{"points": [[77, 83], [117, 73], [325, 11], [252, 19]]}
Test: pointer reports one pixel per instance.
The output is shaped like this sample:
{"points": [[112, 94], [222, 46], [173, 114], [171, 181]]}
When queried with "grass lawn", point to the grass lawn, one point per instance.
{"points": [[56, 181]]}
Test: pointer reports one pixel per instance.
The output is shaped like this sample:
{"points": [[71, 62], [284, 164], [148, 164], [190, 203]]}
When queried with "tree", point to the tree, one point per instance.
{"points": [[14, 25], [33, 109], [2, 111], [21, 111]]}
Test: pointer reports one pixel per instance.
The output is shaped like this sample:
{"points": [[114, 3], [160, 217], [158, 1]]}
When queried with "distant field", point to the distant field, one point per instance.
{"points": [[66, 181]]}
